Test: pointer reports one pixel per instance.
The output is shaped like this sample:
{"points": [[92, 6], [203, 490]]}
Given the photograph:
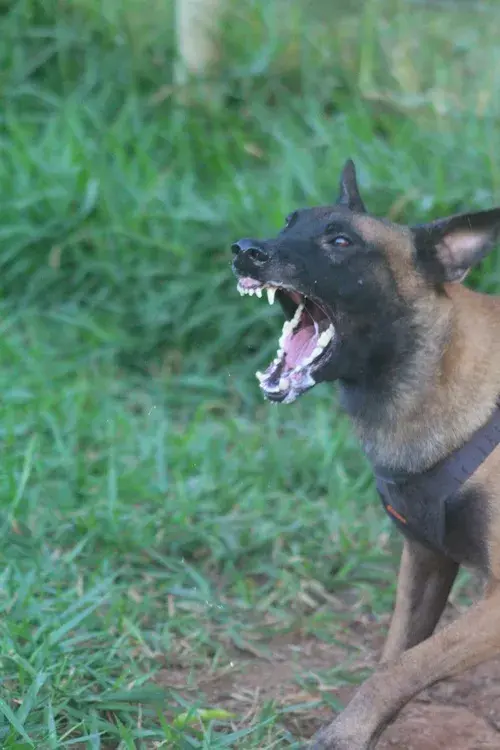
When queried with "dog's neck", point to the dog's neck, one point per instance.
{"points": [[436, 398]]}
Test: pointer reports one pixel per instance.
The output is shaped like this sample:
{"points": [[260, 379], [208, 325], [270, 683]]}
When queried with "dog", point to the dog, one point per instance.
{"points": [[381, 310]]}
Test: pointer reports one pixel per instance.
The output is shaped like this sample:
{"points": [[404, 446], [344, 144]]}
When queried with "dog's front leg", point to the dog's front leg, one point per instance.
{"points": [[424, 582], [471, 639]]}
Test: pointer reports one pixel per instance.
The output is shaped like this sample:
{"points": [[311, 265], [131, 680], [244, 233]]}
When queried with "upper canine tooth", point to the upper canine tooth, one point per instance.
{"points": [[271, 293]]}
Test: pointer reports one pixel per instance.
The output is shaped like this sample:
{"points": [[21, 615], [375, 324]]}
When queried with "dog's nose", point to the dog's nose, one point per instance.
{"points": [[251, 249]]}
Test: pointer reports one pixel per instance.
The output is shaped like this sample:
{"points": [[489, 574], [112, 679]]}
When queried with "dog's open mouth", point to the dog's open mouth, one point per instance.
{"points": [[305, 344]]}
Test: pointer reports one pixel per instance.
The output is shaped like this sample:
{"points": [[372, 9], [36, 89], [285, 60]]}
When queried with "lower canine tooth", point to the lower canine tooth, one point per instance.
{"points": [[260, 376], [284, 383], [272, 388]]}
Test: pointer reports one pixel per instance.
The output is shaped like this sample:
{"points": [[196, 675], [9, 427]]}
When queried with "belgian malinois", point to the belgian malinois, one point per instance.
{"points": [[380, 308]]}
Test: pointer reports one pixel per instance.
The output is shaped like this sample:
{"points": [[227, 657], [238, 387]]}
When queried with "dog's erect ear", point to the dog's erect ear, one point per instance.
{"points": [[448, 248], [349, 191]]}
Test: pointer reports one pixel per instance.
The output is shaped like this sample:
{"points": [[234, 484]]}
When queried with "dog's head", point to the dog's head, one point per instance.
{"points": [[351, 284]]}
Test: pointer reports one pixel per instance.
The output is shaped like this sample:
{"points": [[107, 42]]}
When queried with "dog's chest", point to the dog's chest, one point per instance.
{"points": [[440, 507], [451, 524]]}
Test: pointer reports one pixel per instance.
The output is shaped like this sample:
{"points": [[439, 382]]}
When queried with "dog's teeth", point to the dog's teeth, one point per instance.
{"points": [[271, 293], [290, 325], [272, 388], [258, 292], [284, 383], [326, 336], [260, 376], [311, 357], [284, 333], [296, 317], [317, 351]]}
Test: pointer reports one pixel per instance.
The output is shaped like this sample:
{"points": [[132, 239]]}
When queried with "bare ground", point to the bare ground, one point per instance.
{"points": [[461, 713]]}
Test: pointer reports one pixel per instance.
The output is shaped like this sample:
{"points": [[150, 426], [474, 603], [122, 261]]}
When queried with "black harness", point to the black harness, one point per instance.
{"points": [[430, 507]]}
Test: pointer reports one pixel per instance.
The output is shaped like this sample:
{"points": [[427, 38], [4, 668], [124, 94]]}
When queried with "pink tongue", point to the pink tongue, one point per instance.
{"points": [[300, 346]]}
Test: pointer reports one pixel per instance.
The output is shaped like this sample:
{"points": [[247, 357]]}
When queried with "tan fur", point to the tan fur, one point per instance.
{"points": [[456, 371], [454, 390], [455, 387]]}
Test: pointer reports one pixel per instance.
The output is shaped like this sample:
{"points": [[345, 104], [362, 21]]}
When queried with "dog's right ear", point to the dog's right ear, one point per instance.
{"points": [[349, 191], [448, 248]]}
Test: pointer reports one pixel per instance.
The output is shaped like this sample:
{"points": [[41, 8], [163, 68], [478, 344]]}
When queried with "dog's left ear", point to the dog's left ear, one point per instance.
{"points": [[349, 191], [448, 248]]}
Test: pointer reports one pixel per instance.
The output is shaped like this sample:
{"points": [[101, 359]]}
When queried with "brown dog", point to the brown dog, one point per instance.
{"points": [[379, 308]]}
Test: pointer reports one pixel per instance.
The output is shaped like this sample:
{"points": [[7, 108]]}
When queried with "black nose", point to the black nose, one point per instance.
{"points": [[251, 250]]}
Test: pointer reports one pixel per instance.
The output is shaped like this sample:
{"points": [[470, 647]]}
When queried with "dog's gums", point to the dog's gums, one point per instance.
{"points": [[305, 345]]}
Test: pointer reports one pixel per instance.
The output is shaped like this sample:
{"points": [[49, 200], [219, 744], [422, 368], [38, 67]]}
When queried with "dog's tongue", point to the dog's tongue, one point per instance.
{"points": [[300, 346]]}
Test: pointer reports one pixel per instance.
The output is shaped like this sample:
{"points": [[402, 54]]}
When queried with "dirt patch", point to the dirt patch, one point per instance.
{"points": [[463, 713]]}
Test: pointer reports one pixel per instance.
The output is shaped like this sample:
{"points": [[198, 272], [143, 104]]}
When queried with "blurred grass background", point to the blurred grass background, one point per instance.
{"points": [[154, 512]]}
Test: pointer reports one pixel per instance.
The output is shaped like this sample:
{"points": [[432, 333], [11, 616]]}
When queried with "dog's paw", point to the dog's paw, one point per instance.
{"points": [[326, 744], [332, 737], [324, 740]]}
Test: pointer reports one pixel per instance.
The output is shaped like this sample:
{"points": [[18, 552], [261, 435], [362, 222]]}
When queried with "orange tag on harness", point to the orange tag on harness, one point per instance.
{"points": [[396, 515]]}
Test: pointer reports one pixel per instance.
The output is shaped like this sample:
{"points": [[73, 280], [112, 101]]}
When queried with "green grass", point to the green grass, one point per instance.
{"points": [[157, 518]]}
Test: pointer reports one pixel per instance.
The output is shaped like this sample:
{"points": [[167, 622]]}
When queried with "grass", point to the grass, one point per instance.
{"points": [[160, 524]]}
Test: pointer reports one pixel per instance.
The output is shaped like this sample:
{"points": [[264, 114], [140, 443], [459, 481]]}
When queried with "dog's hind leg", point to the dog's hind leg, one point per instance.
{"points": [[471, 639], [424, 582]]}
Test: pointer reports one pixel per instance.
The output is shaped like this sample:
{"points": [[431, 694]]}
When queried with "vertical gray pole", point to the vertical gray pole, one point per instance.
{"points": [[196, 32]]}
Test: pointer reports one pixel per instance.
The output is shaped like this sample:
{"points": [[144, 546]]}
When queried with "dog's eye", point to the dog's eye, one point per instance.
{"points": [[290, 219], [341, 241]]}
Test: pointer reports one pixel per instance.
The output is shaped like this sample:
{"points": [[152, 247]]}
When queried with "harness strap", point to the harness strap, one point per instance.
{"points": [[420, 503]]}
